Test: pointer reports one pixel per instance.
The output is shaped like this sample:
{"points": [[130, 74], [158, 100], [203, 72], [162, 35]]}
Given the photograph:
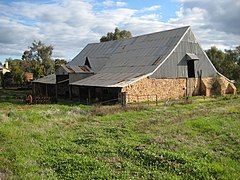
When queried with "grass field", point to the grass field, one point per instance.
{"points": [[199, 140]]}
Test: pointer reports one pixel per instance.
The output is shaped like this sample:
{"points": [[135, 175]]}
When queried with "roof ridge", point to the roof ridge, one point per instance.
{"points": [[174, 29]]}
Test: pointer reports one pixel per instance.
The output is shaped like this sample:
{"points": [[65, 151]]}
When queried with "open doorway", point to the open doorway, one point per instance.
{"points": [[191, 69]]}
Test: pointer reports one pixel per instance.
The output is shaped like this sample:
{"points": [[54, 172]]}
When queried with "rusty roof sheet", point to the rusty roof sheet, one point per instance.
{"points": [[79, 69]]}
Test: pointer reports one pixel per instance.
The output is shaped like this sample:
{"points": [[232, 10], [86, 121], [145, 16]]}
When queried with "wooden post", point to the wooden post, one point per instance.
{"points": [[79, 93], [89, 96], [34, 89], [186, 90], [56, 89], [156, 100], [148, 100], [123, 99], [70, 91], [46, 91]]}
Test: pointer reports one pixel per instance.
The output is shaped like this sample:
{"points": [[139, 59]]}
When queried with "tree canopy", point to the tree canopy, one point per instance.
{"points": [[117, 34], [37, 59], [59, 62], [227, 62]]}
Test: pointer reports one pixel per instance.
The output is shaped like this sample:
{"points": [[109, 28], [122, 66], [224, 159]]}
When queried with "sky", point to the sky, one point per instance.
{"points": [[69, 25]]}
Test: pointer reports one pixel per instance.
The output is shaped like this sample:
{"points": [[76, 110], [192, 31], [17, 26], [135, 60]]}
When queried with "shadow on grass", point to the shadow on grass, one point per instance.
{"points": [[18, 97]]}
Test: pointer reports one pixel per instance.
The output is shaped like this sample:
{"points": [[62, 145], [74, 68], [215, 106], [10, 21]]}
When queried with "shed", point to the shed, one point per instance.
{"points": [[166, 64]]}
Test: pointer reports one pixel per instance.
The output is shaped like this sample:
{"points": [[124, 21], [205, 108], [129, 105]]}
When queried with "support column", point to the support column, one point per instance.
{"points": [[46, 90], [79, 93], [123, 99], [34, 89], [89, 95], [186, 90], [70, 91], [56, 92]]}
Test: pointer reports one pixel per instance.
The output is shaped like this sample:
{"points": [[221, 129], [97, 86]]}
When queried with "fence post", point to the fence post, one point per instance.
{"points": [[148, 100], [138, 100], [89, 96], [123, 99], [156, 100], [186, 90], [70, 92], [56, 92]]}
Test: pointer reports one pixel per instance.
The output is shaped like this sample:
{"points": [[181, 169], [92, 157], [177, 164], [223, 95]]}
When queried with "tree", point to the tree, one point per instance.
{"points": [[16, 70], [38, 59], [59, 62], [7, 79], [118, 34], [227, 62], [217, 57]]}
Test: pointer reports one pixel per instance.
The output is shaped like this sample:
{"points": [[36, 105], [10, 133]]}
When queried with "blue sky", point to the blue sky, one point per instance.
{"points": [[168, 8], [69, 25]]}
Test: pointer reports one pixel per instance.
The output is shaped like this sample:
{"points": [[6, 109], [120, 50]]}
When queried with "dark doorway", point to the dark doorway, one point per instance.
{"points": [[191, 69]]}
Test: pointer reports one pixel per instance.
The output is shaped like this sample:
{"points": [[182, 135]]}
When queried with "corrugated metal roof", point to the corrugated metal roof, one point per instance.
{"points": [[97, 63], [50, 79], [110, 79], [79, 69], [67, 69], [124, 60], [140, 50]]}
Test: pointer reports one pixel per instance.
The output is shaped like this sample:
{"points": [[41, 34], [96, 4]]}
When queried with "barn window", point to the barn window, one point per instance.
{"points": [[191, 69]]}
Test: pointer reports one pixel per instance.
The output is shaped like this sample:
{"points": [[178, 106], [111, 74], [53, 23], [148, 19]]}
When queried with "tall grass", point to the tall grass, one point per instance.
{"points": [[198, 140]]}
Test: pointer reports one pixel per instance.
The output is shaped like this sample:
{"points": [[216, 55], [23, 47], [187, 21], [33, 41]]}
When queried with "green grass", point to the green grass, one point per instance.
{"points": [[200, 140]]}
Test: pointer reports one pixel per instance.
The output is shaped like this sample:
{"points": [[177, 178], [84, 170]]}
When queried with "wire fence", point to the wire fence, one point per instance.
{"points": [[148, 99], [125, 99]]}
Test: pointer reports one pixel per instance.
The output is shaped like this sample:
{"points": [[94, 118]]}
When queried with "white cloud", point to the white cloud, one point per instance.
{"points": [[152, 8], [210, 30], [221, 15], [110, 3]]}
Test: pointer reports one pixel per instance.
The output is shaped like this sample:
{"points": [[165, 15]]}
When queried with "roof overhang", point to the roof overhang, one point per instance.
{"points": [[50, 79], [96, 81], [192, 57]]}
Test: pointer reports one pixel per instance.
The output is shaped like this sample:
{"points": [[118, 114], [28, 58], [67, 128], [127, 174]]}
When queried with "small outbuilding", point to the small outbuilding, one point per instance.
{"points": [[4, 68], [163, 65]]}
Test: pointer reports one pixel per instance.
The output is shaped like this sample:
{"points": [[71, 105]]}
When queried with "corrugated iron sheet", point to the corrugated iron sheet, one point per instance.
{"points": [[175, 65], [124, 60], [140, 50], [50, 79], [110, 79]]}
